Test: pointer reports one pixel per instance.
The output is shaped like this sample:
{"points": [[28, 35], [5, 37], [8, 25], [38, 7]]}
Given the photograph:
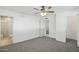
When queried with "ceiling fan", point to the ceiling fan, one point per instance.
{"points": [[44, 10]]}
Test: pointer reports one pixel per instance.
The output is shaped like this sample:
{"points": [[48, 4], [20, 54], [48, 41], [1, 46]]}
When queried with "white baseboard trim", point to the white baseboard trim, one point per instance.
{"points": [[16, 40]]}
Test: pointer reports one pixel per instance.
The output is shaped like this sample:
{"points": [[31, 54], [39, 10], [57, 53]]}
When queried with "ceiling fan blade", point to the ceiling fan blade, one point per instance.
{"points": [[49, 7], [37, 13], [50, 11], [43, 7], [35, 8]]}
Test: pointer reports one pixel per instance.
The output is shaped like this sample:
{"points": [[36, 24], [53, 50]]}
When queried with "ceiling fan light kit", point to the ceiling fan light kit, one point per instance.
{"points": [[44, 10], [43, 14]]}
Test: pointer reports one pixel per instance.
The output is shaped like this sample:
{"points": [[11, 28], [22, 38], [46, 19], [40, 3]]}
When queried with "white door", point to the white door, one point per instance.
{"points": [[52, 26]]}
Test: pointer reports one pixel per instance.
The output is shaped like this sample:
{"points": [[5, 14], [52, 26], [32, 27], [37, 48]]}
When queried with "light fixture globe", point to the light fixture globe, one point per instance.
{"points": [[43, 14]]}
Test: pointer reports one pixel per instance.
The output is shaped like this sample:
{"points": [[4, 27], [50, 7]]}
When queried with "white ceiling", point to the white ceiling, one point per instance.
{"points": [[30, 10]]}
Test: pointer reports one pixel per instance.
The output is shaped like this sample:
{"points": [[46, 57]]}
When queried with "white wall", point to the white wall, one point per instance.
{"points": [[60, 27], [71, 32], [24, 26], [78, 31]]}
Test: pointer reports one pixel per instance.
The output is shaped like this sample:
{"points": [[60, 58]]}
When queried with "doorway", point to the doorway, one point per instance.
{"points": [[46, 27], [5, 30], [71, 33]]}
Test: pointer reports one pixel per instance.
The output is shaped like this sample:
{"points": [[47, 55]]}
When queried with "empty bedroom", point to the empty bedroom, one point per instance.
{"points": [[39, 29]]}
